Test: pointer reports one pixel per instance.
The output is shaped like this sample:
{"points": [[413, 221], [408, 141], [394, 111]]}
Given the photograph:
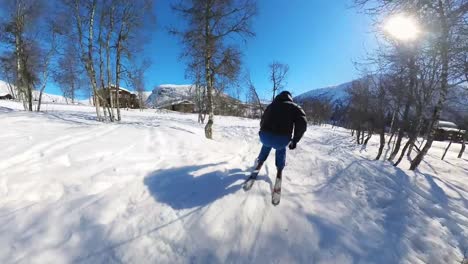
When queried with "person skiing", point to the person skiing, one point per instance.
{"points": [[278, 122]]}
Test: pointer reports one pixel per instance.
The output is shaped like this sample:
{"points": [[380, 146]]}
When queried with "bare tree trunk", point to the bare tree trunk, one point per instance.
{"points": [[30, 98], [20, 83], [412, 139], [209, 124], [462, 150], [445, 152], [392, 126], [108, 64], [444, 54], [117, 72], [39, 101], [72, 94], [393, 121], [45, 75], [87, 57], [401, 132], [369, 135], [90, 61], [410, 149], [358, 136], [382, 142], [209, 73], [409, 143], [391, 137]]}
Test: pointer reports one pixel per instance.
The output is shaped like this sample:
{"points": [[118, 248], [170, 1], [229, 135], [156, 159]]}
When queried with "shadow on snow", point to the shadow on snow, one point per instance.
{"points": [[184, 187]]}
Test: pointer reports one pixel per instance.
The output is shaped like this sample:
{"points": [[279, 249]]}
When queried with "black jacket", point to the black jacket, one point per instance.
{"points": [[283, 116]]}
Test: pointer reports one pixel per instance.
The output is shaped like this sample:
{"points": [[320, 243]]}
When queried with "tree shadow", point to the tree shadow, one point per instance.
{"points": [[365, 186], [71, 118], [185, 187], [443, 207]]}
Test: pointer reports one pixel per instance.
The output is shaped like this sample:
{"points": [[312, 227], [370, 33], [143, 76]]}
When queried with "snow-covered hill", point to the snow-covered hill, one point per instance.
{"points": [[152, 189], [167, 93], [337, 92], [146, 95], [46, 97], [4, 88]]}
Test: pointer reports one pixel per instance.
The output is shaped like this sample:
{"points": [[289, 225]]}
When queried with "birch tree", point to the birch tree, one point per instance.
{"points": [[212, 25], [278, 74], [444, 22], [20, 36]]}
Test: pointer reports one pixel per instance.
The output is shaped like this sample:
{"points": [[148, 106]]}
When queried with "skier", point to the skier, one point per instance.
{"points": [[279, 120]]}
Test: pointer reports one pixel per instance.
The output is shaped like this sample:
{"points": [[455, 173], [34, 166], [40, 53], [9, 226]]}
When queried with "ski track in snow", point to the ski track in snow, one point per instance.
{"points": [[152, 189]]}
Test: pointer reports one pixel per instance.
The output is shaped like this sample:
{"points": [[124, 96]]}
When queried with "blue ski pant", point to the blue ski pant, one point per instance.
{"points": [[279, 143]]}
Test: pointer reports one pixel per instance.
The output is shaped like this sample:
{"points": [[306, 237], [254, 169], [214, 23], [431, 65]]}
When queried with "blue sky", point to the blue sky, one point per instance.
{"points": [[318, 39]]}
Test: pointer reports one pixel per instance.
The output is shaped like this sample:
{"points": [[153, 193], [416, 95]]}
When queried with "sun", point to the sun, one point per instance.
{"points": [[402, 27]]}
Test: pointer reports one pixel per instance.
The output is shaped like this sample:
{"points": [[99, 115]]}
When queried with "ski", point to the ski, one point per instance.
{"points": [[250, 181], [276, 192]]}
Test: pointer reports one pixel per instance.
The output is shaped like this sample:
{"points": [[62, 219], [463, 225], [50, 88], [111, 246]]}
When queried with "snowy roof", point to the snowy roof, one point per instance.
{"points": [[123, 89], [447, 124]]}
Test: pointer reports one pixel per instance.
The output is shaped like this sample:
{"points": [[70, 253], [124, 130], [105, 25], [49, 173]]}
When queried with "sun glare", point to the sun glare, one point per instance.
{"points": [[402, 27]]}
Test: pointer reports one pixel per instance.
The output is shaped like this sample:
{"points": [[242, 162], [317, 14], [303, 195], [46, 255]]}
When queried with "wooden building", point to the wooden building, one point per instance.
{"points": [[448, 131], [6, 97], [184, 106], [127, 99]]}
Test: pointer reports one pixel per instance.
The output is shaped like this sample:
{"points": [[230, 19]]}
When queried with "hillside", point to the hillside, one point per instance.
{"points": [[46, 97], [457, 99], [167, 93], [153, 189], [337, 92]]}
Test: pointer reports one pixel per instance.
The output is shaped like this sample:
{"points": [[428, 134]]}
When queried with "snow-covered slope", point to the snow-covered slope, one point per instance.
{"points": [[4, 89], [46, 97], [146, 95], [152, 189], [167, 93], [337, 92]]}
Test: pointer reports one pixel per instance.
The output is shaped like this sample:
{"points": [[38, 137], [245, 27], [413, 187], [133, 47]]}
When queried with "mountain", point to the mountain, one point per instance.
{"points": [[337, 92], [146, 95], [457, 97], [168, 93]]}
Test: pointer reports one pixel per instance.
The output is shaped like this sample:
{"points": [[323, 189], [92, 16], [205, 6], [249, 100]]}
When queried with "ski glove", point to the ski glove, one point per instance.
{"points": [[292, 145]]}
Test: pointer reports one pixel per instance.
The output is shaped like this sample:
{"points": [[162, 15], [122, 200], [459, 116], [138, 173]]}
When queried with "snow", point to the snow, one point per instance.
{"points": [[46, 97], [447, 124], [4, 89], [152, 189]]}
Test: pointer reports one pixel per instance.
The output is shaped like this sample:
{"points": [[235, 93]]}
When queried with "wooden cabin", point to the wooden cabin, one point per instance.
{"points": [[448, 131], [127, 99], [184, 106], [6, 97]]}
